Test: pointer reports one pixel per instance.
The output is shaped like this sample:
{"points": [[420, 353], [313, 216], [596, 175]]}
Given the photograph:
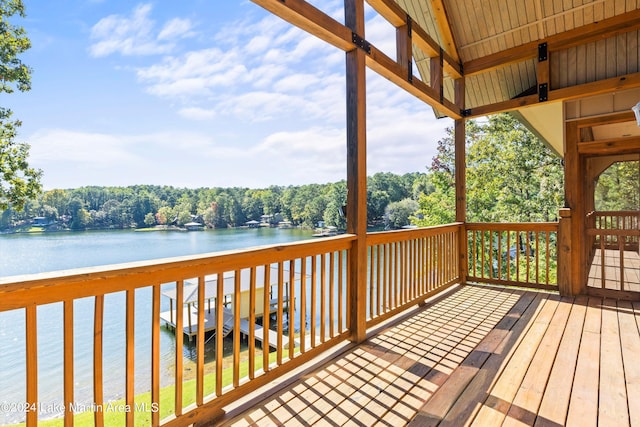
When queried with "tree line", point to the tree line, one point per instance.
{"points": [[150, 205], [511, 177]]}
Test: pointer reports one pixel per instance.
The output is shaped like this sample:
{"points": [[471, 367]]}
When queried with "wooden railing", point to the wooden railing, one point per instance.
{"points": [[611, 234], [304, 285], [307, 290], [513, 254], [617, 227], [409, 266]]}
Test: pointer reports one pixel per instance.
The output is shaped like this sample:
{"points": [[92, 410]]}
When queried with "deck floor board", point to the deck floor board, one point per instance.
{"points": [[483, 355]]}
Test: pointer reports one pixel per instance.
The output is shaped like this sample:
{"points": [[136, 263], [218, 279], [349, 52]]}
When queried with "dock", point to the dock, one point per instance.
{"points": [[190, 323]]}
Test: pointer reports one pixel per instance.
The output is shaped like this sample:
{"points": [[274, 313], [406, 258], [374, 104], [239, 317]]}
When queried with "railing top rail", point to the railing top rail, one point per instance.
{"points": [[612, 232], [615, 213], [91, 281], [408, 234], [513, 226]]}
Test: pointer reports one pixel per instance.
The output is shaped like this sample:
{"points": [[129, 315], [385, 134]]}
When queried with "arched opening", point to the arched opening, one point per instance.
{"points": [[613, 225]]}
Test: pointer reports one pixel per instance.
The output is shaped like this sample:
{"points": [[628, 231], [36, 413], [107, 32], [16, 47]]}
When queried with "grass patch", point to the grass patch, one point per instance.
{"points": [[115, 411]]}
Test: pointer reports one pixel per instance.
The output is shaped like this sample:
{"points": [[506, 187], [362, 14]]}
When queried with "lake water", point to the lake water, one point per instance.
{"points": [[36, 253]]}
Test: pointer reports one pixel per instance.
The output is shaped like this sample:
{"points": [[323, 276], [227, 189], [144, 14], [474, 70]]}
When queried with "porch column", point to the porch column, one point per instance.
{"points": [[356, 172], [564, 252], [461, 180], [574, 200]]}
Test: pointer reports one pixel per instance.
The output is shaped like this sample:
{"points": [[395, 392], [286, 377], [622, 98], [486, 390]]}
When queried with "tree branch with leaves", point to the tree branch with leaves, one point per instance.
{"points": [[18, 181]]}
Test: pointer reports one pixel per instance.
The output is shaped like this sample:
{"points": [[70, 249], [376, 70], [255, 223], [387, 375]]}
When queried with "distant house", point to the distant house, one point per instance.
{"points": [[193, 226], [252, 224], [265, 220], [41, 221]]}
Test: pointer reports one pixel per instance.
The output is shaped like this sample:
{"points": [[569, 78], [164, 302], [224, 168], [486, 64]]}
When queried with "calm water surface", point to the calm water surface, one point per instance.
{"points": [[36, 253]]}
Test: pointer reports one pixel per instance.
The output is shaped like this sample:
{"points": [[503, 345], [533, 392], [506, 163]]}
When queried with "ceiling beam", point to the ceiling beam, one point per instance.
{"points": [[628, 81], [585, 34], [444, 28], [396, 16], [627, 145], [307, 17]]}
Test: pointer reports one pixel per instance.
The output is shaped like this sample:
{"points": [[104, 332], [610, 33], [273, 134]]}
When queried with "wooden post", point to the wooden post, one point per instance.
{"points": [[461, 180], [573, 178], [564, 252], [356, 172]]}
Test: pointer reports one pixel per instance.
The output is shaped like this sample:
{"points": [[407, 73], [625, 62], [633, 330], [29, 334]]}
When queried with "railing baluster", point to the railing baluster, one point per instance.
{"points": [[290, 305], [537, 255], [621, 248], [130, 355], [518, 246], [499, 275], [404, 283], [200, 343], [323, 296], [98, 392], [340, 292], [602, 262], [547, 256], [179, 340], [332, 285], [482, 264], [314, 298], [348, 292], [280, 313], [236, 327], [31, 326], [252, 321], [372, 281], [440, 259], [155, 355], [528, 255], [303, 305], [509, 255], [266, 317], [68, 362], [396, 275], [385, 279], [379, 281], [219, 331]]}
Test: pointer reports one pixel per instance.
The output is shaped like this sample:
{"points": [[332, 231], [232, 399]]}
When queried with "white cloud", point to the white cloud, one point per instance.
{"points": [[176, 28], [196, 113], [53, 145], [136, 34], [186, 158], [277, 94]]}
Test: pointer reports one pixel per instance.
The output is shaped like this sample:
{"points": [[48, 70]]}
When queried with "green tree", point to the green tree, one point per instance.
{"points": [[399, 214], [19, 182], [618, 188], [511, 176], [149, 219], [57, 199]]}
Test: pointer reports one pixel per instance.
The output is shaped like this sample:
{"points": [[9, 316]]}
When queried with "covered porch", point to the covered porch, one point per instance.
{"points": [[481, 352]]}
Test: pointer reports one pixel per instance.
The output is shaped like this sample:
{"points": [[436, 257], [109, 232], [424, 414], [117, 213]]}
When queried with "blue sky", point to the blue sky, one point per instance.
{"points": [[200, 94]]}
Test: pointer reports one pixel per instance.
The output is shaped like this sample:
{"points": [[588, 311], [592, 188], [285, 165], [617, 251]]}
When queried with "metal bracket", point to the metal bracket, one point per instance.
{"points": [[543, 92], [361, 43], [542, 52]]}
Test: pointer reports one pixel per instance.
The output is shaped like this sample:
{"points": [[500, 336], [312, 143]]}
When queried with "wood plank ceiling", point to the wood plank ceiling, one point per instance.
{"points": [[489, 38], [484, 27]]}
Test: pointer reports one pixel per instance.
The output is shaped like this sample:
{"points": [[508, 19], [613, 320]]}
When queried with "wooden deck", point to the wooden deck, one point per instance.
{"points": [[613, 272], [481, 356]]}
